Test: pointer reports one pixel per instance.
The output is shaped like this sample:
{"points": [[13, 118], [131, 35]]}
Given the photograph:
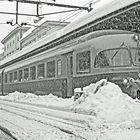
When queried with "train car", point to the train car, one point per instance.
{"points": [[109, 54]]}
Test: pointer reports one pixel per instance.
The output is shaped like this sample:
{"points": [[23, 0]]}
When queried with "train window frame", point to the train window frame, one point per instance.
{"points": [[87, 70], [26, 78], [33, 77], [11, 77], [15, 76], [136, 61], [20, 75], [40, 74], [18, 38], [51, 75], [59, 67], [71, 65], [5, 78], [113, 66]]}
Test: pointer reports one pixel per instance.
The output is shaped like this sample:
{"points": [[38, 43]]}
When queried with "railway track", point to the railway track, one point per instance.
{"points": [[68, 122], [5, 134]]}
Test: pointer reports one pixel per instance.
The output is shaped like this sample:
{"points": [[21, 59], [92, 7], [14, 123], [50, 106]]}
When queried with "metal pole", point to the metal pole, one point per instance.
{"points": [[16, 12], [37, 10]]}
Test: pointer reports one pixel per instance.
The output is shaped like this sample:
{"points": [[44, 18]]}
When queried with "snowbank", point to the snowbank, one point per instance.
{"points": [[116, 116], [106, 101], [47, 100]]}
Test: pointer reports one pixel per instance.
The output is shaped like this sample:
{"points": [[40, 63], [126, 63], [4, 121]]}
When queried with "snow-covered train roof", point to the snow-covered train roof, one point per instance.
{"points": [[98, 13]]}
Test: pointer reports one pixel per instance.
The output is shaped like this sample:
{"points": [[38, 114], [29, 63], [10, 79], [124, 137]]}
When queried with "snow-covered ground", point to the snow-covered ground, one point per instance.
{"points": [[114, 115]]}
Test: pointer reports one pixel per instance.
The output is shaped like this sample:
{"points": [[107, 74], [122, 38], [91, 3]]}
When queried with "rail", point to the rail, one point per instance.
{"points": [[7, 134]]}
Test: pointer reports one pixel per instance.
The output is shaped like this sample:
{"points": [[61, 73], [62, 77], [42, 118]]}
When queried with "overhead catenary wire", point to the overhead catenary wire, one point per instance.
{"points": [[37, 3], [77, 13], [67, 17], [71, 15]]}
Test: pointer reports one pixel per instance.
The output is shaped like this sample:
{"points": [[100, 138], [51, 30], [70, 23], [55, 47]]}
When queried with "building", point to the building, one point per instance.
{"points": [[21, 36], [42, 29], [12, 41]]}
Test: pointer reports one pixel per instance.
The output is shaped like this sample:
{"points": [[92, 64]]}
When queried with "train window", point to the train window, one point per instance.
{"points": [[41, 71], [71, 65], [17, 38], [59, 67], [112, 57], [6, 78], [20, 75], [135, 53], [10, 77], [26, 74], [15, 76], [83, 62], [33, 73], [51, 69]]}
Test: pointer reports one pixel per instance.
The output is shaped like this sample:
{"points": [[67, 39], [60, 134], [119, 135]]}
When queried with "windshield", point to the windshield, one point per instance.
{"points": [[135, 53], [113, 58]]}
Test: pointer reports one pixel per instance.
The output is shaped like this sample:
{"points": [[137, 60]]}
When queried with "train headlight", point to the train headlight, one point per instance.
{"points": [[125, 81], [131, 80]]}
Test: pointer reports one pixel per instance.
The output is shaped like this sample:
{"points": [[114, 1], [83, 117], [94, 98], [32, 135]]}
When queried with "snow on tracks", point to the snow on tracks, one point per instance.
{"points": [[68, 122]]}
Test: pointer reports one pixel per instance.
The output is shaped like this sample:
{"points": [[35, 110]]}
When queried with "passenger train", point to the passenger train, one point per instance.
{"points": [[102, 45]]}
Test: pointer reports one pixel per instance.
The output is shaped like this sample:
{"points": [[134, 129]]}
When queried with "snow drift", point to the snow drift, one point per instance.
{"points": [[103, 100], [47, 100], [114, 115], [106, 101]]}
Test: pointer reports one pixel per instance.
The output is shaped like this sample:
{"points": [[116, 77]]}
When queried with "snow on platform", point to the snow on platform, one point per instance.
{"points": [[104, 101]]}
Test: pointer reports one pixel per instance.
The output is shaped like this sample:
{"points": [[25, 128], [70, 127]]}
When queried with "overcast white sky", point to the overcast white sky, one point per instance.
{"points": [[29, 8]]}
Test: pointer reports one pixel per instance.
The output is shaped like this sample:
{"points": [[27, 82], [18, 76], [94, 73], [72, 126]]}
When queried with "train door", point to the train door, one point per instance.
{"points": [[69, 62]]}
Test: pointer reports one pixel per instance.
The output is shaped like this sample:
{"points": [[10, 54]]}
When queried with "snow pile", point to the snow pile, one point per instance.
{"points": [[106, 101], [19, 96], [52, 100], [114, 115], [103, 100], [47, 100]]}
